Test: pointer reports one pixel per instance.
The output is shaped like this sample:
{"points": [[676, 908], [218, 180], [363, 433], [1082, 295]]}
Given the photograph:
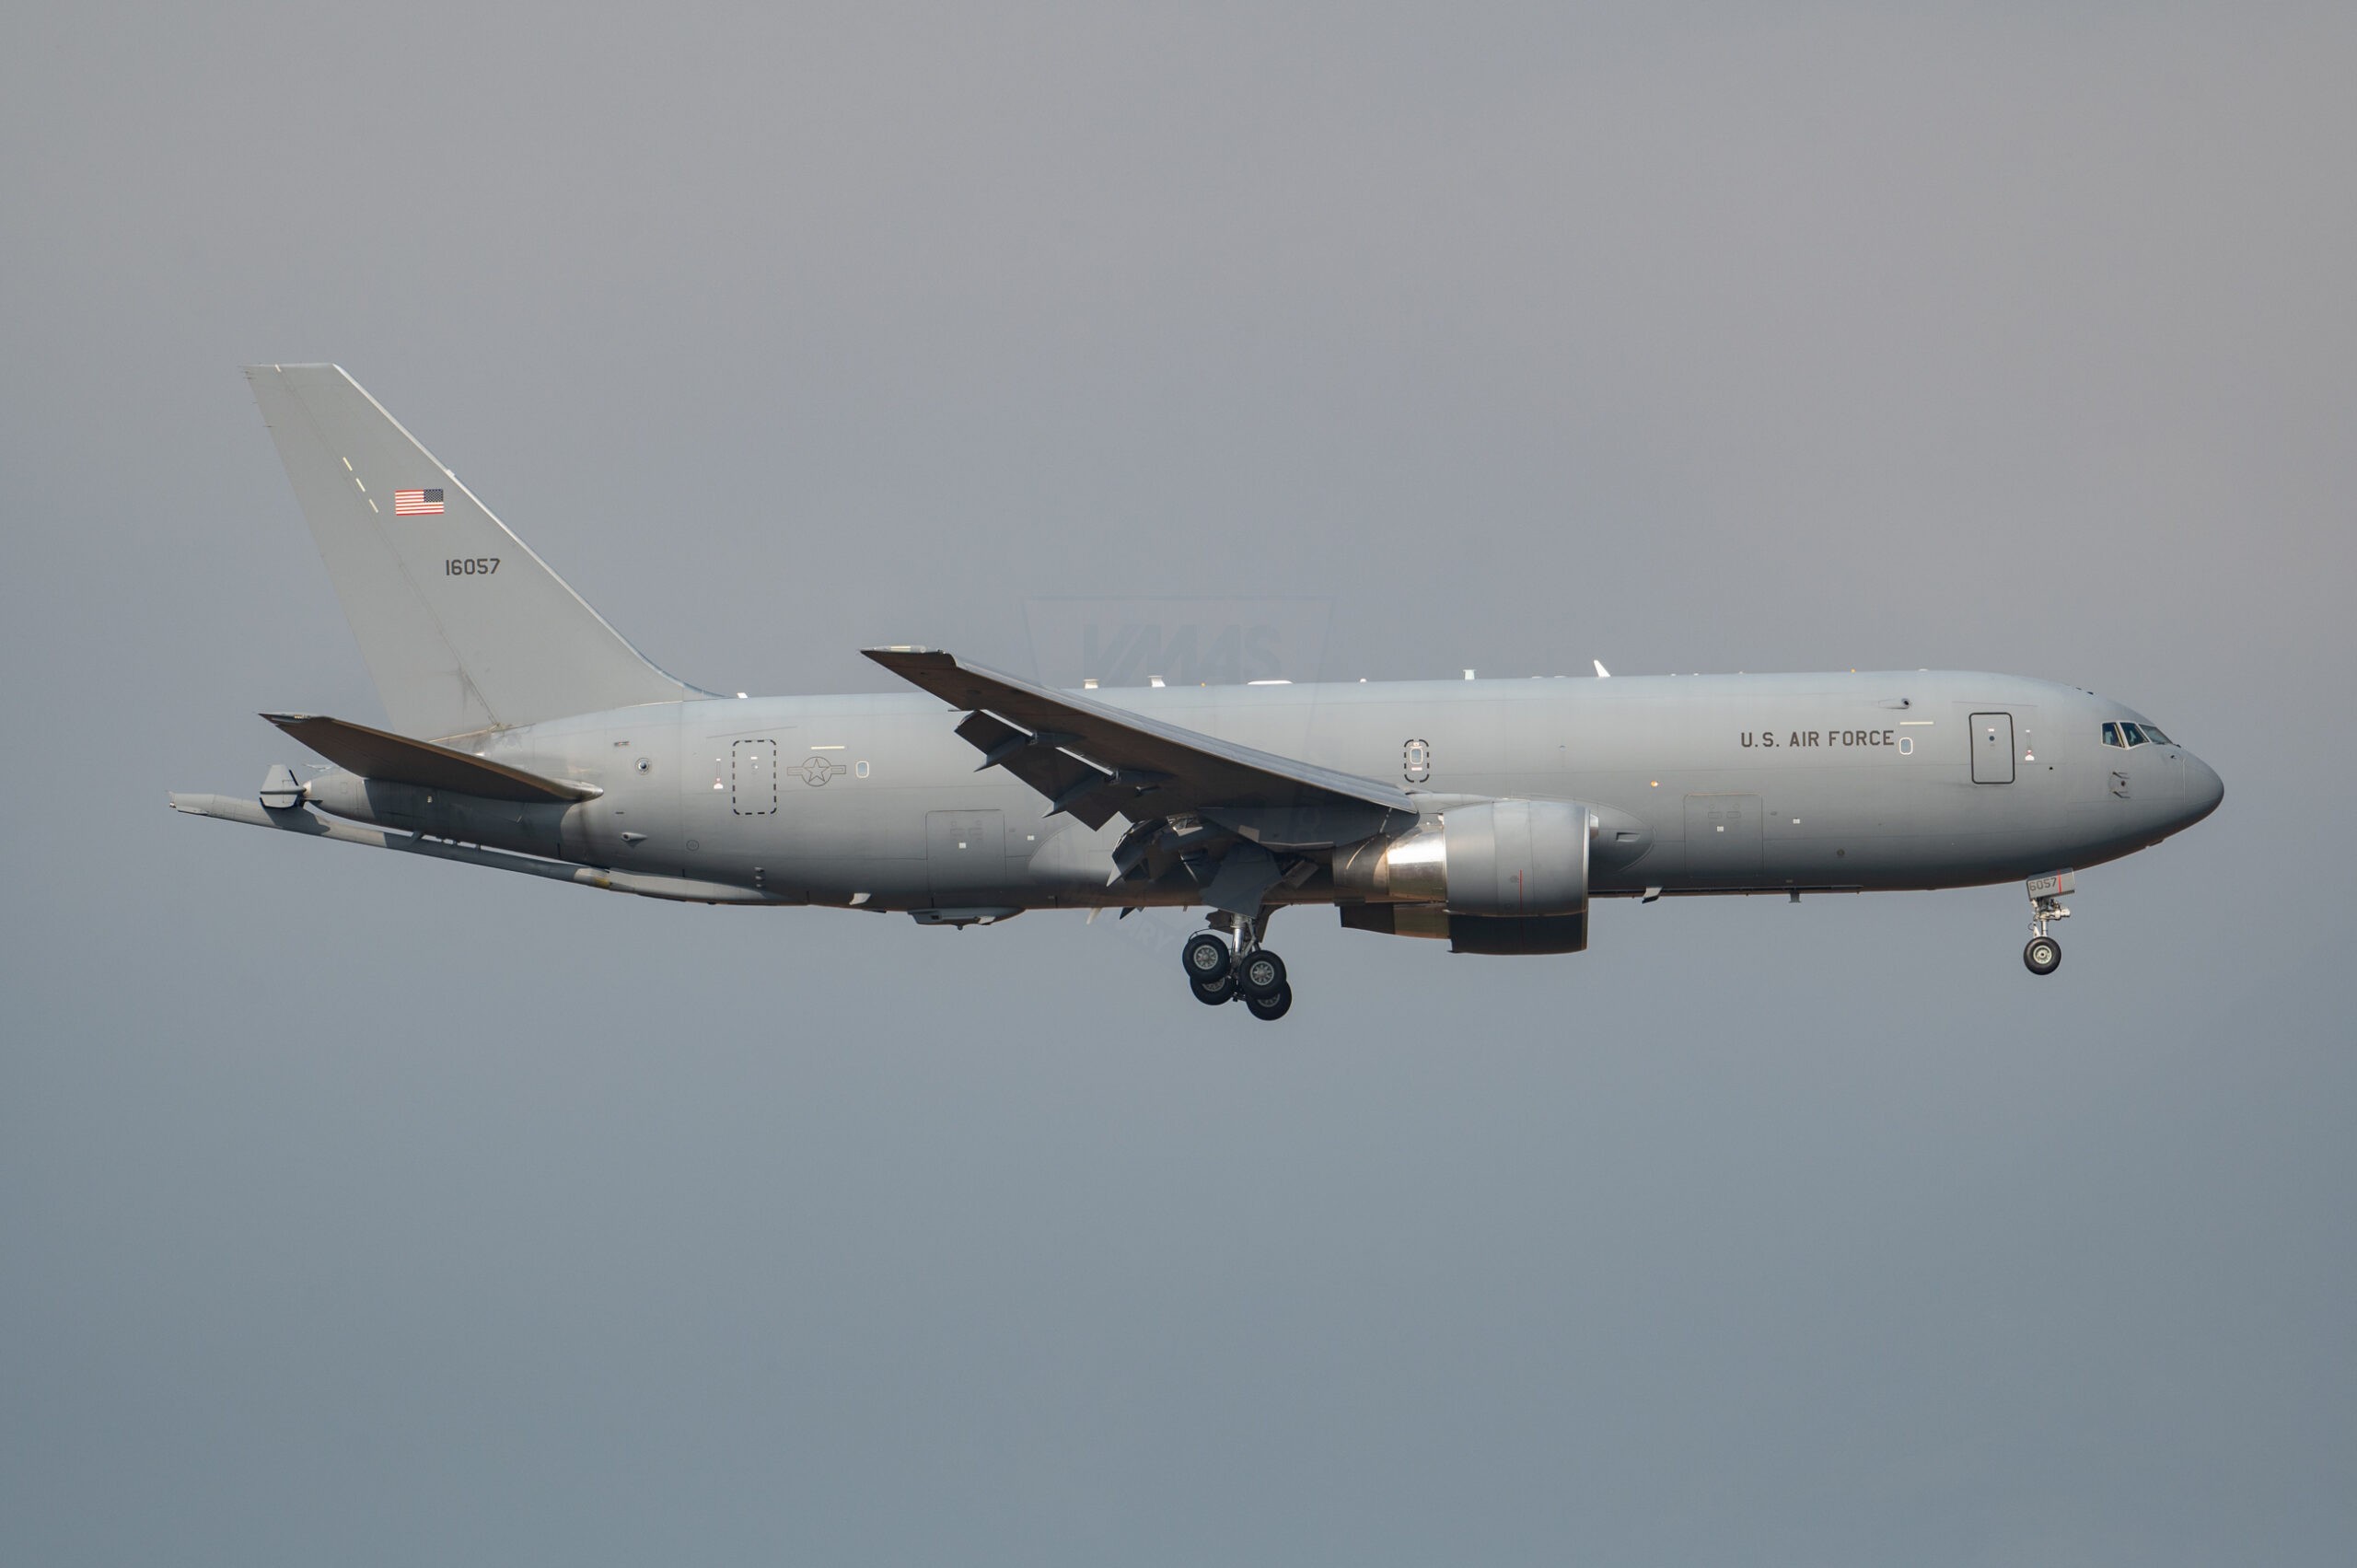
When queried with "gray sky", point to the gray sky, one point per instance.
{"points": [[361, 1211]]}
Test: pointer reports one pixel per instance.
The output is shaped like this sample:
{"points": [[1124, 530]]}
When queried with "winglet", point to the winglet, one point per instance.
{"points": [[1601, 673]]}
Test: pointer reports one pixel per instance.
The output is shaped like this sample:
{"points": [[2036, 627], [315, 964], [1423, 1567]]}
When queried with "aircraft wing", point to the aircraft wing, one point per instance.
{"points": [[396, 759], [1093, 759]]}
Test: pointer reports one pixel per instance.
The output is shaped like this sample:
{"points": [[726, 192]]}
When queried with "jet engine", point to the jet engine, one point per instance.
{"points": [[1510, 875]]}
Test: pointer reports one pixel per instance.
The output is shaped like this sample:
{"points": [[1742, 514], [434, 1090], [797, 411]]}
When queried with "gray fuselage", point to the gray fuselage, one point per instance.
{"points": [[1702, 783]]}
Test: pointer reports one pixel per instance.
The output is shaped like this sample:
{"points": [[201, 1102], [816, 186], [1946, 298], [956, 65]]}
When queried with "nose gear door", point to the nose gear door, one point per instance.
{"points": [[1992, 749]]}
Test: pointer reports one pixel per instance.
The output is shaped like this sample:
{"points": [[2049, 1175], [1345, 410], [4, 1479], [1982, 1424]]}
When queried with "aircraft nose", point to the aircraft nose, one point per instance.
{"points": [[2205, 790]]}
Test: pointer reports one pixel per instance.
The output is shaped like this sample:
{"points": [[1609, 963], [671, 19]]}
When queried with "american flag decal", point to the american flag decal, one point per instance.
{"points": [[416, 503]]}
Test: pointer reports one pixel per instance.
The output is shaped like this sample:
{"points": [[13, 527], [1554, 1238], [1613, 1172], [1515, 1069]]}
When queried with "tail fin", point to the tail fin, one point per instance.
{"points": [[462, 627]]}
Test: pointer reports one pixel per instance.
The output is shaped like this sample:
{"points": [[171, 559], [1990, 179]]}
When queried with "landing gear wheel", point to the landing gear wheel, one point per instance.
{"points": [[1204, 957], [1261, 973], [1213, 992], [2044, 954], [1272, 1006]]}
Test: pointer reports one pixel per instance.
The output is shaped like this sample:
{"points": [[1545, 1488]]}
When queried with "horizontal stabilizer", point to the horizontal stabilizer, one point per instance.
{"points": [[396, 759], [681, 890]]}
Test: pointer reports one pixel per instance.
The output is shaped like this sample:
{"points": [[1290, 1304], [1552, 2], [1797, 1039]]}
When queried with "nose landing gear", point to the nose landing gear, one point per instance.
{"points": [[2044, 953], [1250, 973]]}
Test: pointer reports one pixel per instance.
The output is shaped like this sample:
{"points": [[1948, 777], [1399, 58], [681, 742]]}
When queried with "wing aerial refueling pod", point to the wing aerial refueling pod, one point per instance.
{"points": [[526, 734]]}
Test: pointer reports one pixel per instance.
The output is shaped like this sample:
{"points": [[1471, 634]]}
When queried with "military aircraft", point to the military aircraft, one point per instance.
{"points": [[528, 736]]}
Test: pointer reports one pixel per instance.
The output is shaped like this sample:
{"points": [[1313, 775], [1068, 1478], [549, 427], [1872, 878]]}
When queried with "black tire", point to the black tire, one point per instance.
{"points": [[1261, 973], [1272, 1007], [1213, 992], [2044, 954], [1204, 957]]}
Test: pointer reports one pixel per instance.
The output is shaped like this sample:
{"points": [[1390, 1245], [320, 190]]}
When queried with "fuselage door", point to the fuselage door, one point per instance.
{"points": [[752, 778], [1992, 749]]}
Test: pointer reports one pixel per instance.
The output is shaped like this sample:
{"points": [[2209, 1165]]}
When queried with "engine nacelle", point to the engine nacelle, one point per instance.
{"points": [[1520, 858]]}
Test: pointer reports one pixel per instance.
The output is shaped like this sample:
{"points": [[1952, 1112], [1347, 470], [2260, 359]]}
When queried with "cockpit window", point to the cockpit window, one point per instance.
{"points": [[2124, 733]]}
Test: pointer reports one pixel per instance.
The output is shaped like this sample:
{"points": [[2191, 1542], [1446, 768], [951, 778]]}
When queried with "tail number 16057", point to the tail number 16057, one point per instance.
{"points": [[471, 566]]}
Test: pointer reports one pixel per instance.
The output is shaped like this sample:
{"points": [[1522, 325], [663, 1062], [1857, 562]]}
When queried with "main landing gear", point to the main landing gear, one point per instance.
{"points": [[2044, 953], [1247, 973]]}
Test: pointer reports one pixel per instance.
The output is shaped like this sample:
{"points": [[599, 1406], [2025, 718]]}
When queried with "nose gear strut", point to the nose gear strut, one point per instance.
{"points": [[2044, 953]]}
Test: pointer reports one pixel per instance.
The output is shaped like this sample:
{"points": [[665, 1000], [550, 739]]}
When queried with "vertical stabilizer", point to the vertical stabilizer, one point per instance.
{"points": [[462, 627]]}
